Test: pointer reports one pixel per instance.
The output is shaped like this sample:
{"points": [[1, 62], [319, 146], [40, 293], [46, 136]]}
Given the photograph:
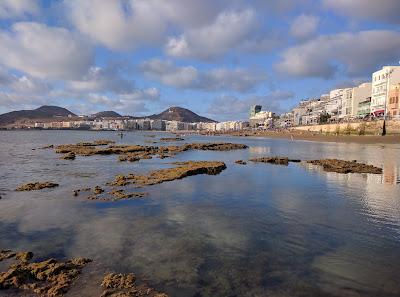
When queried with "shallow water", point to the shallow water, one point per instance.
{"points": [[254, 230]]}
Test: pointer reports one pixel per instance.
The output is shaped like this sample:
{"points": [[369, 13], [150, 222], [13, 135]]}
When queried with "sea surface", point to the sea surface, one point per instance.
{"points": [[253, 230]]}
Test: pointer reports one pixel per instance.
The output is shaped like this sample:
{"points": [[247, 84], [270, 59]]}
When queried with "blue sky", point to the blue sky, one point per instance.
{"points": [[215, 57]]}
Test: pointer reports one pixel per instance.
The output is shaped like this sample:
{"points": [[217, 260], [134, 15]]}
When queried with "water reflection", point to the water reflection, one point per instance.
{"points": [[255, 230]]}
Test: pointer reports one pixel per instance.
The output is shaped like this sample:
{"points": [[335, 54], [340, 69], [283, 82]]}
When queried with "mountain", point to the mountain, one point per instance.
{"points": [[43, 112], [106, 114], [181, 115]]}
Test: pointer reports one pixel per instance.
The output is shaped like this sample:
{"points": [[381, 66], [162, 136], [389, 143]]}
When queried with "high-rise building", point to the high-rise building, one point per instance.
{"points": [[360, 94], [254, 110], [388, 75]]}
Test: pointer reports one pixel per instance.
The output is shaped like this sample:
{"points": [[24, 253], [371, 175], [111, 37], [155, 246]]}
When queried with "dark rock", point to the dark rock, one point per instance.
{"points": [[46, 278], [172, 139], [124, 285], [36, 186], [342, 166], [183, 170], [97, 190], [69, 156]]}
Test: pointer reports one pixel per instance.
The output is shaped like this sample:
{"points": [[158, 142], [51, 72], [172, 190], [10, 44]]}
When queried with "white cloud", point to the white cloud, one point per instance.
{"points": [[382, 10], [357, 53], [18, 8], [44, 52], [117, 24], [188, 77], [22, 84], [100, 89], [167, 73], [108, 79], [304, 26], [125, 103], [227, 31]]}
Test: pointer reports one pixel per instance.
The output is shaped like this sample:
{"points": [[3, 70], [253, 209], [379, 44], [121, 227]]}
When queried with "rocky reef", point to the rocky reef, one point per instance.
{"points": [[134, 152], [342, 166], [69, 156], [166, 139], [45, 278], [53, 278], [274, 160], [21, 256], [183, 170], [124, 285], [36, 186], [103, 142]]}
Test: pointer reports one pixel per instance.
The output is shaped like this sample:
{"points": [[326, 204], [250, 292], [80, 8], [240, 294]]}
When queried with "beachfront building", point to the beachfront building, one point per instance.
{"points": [[335, 100], [346, 103], [260, 118], [364, 108], [360, 94], [387, 76], [394, 102], [158, 125], [254, 110]]}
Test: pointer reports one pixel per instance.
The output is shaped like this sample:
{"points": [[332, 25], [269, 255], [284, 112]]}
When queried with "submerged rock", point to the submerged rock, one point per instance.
{"points": [[272, 160], [121, 195], [172, 139], [46, 278], [342, 166], [103, 142], [183, 170], [216, 146], [69, 156], [36, 186], [97, 190], [124, 285], [21, 256], [240, 162], [47, 147], [76, 192]]}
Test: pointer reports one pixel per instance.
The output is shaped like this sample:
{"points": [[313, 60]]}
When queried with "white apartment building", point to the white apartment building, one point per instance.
{"points": [[345, 105], [332, 107], [360, 94], [388, 75]]}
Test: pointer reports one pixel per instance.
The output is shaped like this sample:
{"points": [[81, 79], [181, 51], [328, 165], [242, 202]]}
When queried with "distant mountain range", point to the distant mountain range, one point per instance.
{"points": [[53, 112], [181, 115], [106, 114], [43, 112]]}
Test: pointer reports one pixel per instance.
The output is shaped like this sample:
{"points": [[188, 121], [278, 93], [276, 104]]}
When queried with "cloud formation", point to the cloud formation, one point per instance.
{"points": [[45, 52], [227, 31], [189, 77], [382, 10], [18, 8], [304, 26], [354, 53]]}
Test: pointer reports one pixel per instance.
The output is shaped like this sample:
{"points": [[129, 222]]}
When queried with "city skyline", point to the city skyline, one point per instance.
{"points": [[214, 57]]}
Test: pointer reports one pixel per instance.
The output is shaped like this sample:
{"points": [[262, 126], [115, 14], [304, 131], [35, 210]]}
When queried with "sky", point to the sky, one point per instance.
{"points": [[215, 57]]}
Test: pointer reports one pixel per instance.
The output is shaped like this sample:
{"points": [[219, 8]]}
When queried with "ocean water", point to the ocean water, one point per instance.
{"points": [[254, 230]]}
